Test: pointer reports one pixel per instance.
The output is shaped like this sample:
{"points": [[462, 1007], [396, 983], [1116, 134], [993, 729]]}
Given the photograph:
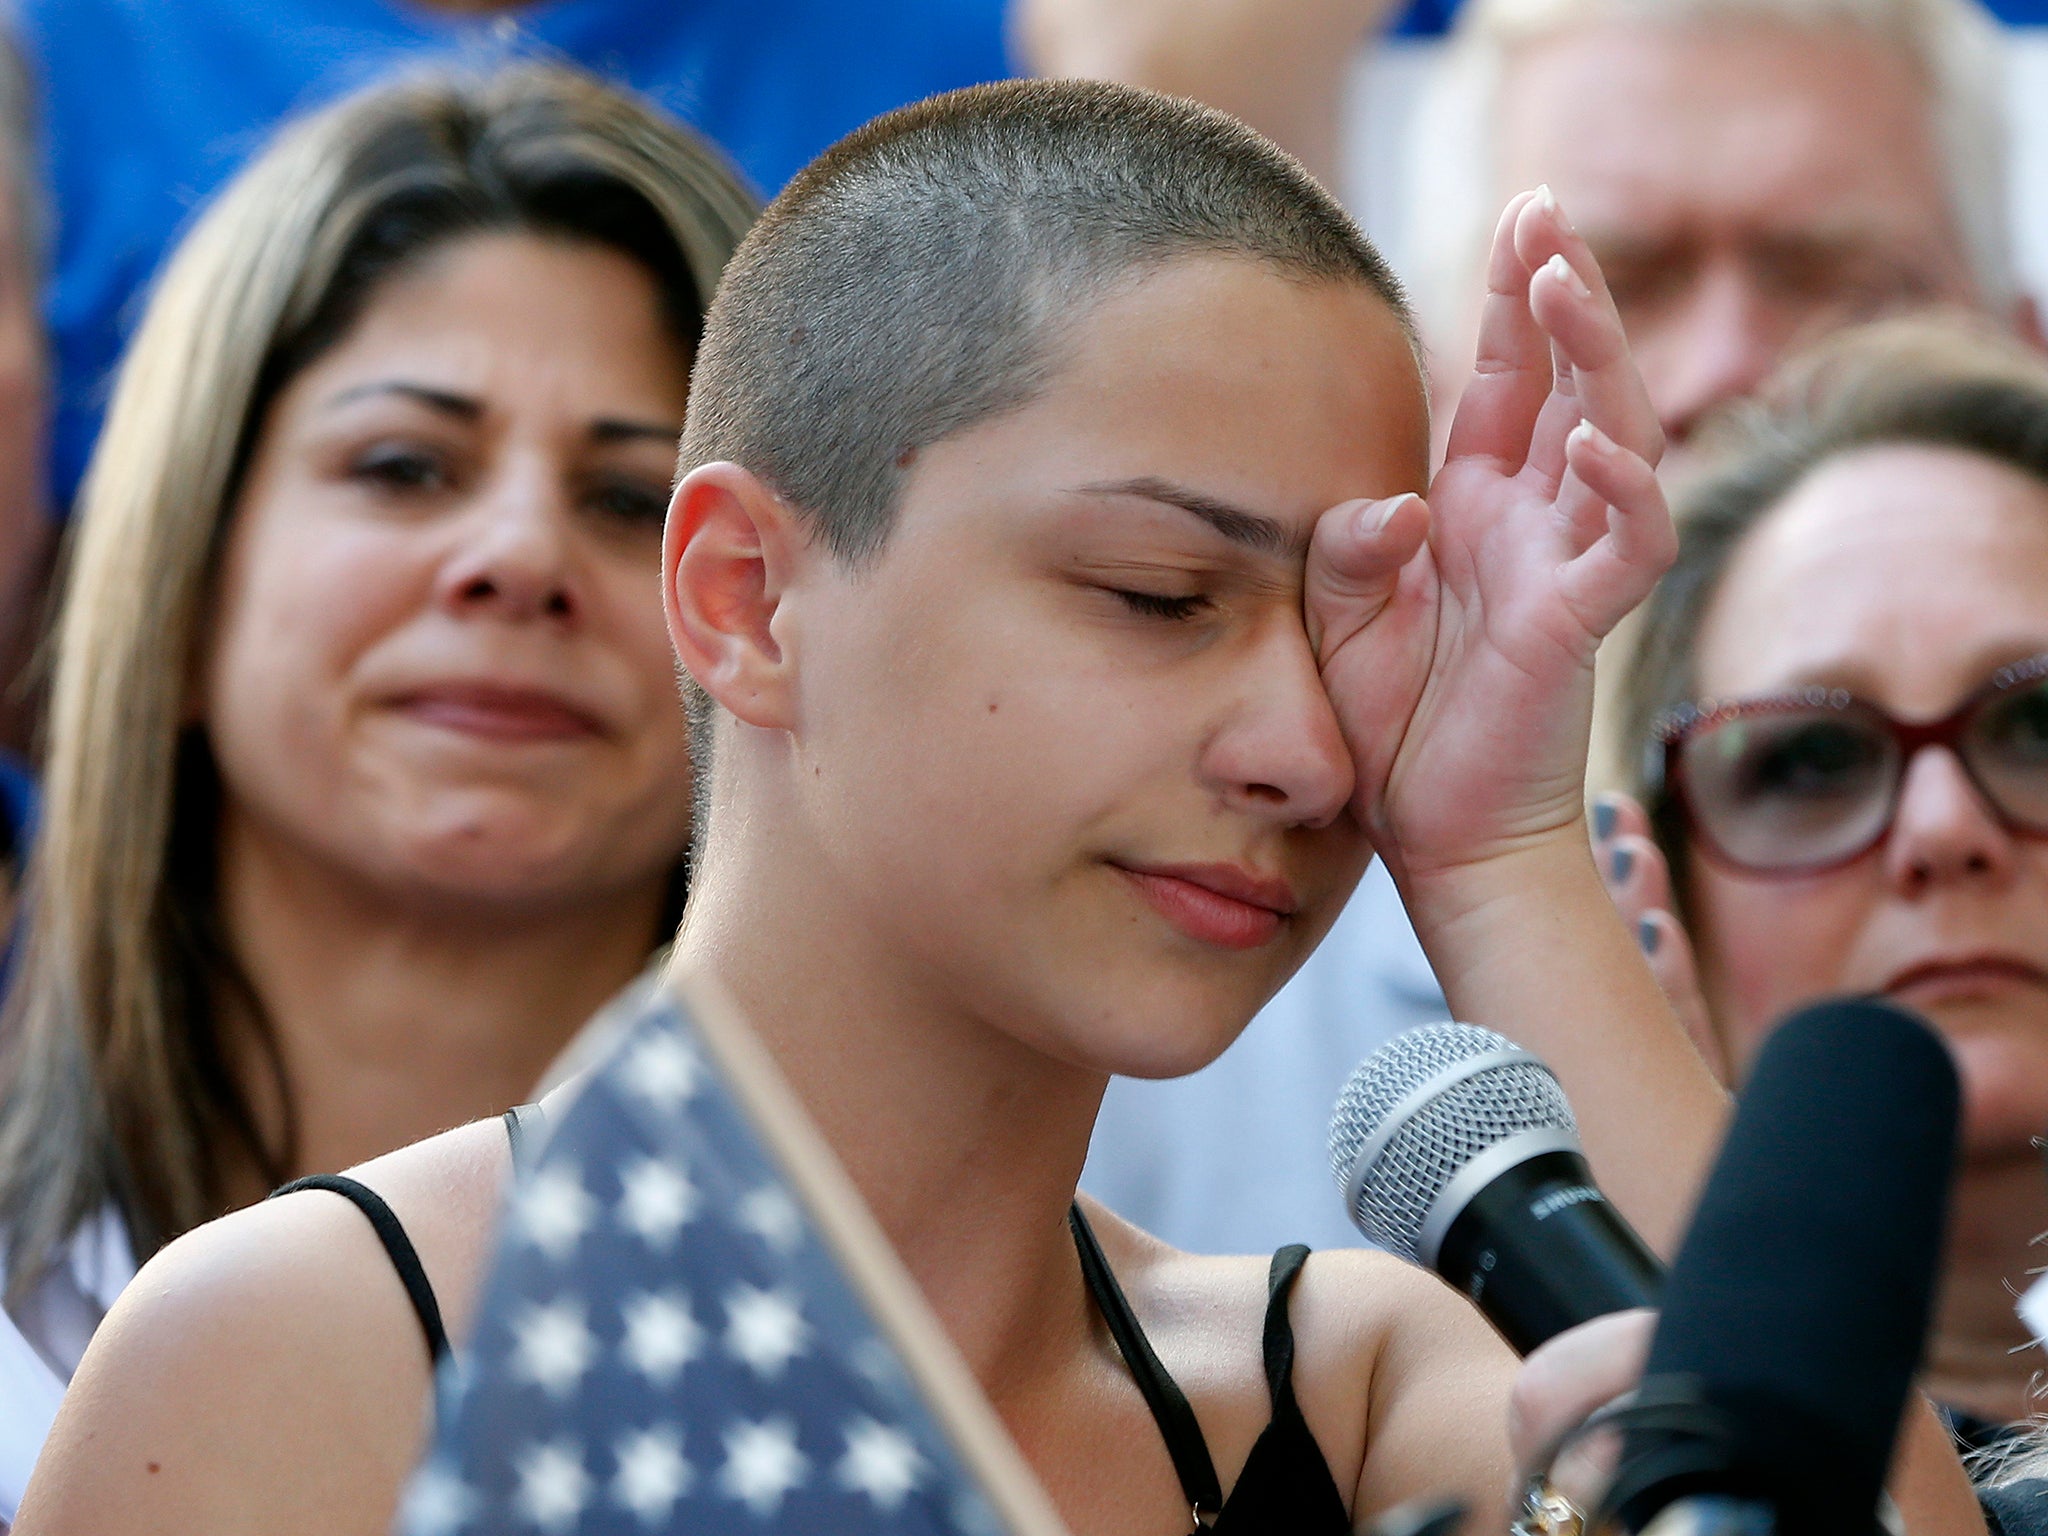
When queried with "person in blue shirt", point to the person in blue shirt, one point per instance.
{"points": [[148, 108]]}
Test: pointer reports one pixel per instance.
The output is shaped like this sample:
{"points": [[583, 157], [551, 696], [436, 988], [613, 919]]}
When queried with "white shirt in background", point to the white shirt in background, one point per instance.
{"points": [[42, 1341]]}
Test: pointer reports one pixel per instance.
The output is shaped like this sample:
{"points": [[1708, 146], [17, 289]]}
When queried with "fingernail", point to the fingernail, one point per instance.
{"points": [[1605, 813], [1623, 863], [1387, 511], [1552, 207], [1649, 935], [1586, 435], [1563, 271]]}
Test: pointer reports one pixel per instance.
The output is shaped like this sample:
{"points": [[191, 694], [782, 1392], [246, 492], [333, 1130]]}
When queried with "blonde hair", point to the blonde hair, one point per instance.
{"points": [[1954, 45], [118, 1086]]}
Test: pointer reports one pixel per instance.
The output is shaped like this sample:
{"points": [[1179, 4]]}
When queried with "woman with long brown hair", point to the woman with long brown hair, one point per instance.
{"points": [[367, 779]]}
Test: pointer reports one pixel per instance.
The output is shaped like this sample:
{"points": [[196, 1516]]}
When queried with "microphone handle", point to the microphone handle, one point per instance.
{"points": [[1539, 1250]]}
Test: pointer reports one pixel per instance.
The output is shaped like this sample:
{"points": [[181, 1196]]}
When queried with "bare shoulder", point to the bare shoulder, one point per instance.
{"points": [[1403, 1384], [1381, 1338], [266, 1371]]}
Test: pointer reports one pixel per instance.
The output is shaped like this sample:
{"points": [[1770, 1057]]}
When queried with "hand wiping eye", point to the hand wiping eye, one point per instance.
{"points": [[1456, 639]]}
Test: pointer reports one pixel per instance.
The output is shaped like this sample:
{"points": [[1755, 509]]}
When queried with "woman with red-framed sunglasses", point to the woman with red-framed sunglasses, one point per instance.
{"points": [[1839, 697], [1809, 780]]}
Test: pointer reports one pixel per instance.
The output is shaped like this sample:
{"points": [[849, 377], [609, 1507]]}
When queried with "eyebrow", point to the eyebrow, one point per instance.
{"points": [[442, 400], [1251, 529], [1837, 238], [606, 429]]}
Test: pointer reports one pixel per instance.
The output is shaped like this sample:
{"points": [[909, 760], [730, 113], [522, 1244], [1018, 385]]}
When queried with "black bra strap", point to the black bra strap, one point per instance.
{"points": [[397, 1246], [1169, 1405], [1279, 1342]]}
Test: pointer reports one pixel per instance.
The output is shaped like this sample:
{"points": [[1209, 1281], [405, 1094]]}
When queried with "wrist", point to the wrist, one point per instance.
{"points": [[1531, 868]]}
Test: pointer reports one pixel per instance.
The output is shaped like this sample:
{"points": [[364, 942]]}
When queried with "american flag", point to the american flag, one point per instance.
{"points": [[665, 1343]]}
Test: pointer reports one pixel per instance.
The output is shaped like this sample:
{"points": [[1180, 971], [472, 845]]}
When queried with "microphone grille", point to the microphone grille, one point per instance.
{"points": [[1416, 1146]]}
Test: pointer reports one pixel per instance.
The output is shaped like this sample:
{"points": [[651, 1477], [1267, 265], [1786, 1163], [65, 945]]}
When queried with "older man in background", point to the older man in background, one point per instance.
{"points": [[1752, 174]]}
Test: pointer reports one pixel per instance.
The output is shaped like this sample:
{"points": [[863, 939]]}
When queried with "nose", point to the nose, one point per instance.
{"points": [[1280, 754], [1717, 343], [514, 554], [1945, 831]]}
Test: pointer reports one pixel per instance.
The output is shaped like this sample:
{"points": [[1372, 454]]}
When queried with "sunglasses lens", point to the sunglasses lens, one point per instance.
{"points": [[2008, 749], [1790, 789]]}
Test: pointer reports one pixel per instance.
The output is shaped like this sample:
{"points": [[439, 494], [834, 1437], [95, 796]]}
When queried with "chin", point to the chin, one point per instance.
{"points": [[1167, 1037], [2005, 1087], [510, 830], [509, 866]]}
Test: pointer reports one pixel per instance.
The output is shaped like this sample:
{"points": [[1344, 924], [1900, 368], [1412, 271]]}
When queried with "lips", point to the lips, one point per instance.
{"points": [[1222, 905], [1964, 974], [498, 712]]}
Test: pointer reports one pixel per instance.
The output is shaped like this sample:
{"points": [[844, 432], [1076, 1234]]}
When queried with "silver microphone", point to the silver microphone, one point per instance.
{"points": [[1456, 1149]]}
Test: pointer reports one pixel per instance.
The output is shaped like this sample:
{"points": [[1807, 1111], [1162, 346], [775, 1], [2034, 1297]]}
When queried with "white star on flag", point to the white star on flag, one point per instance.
{"points": [[661, 1335], [880, 1462], [553, 1487], [762, 1464], [652, 1473], [438, 1503], [764, 1328], [655, 1200], [771, 1215], [555, 1210], [553, 1346], [663, 1069]]}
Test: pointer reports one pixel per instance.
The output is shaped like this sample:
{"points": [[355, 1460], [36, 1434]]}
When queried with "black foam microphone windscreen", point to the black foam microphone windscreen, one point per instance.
{"points": [[1797, 1309]]}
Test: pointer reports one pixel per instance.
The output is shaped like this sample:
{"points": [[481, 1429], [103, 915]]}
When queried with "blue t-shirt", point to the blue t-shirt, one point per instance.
{"points": [[149, 105]]}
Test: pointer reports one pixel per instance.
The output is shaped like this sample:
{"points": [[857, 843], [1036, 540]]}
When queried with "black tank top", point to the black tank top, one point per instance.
{"points": [[1286, 1484]]}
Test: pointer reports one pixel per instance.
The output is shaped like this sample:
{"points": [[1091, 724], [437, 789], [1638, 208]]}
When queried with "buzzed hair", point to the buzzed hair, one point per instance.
{"points": [[917, 278]]}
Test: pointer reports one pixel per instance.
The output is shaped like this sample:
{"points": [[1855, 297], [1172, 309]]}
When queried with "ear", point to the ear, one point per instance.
{"points": [[728, 555]]}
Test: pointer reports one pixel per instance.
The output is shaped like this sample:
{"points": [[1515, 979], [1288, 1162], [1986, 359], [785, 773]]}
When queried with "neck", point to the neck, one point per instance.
{"points": [[395, 1020], [966, 1144], [1978, 1358]]}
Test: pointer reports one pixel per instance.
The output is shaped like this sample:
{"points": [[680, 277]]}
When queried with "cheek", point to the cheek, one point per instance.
{"points": [[297, 607], [981, 737], [1767, 946], [625, 612]]}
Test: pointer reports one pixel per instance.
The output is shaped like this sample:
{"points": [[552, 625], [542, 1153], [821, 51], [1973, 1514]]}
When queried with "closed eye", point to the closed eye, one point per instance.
{"points": [[1159, 605]]}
